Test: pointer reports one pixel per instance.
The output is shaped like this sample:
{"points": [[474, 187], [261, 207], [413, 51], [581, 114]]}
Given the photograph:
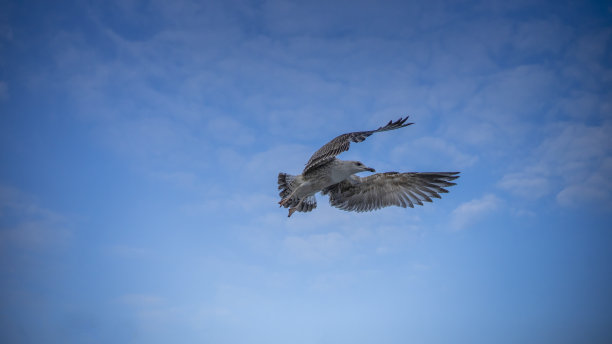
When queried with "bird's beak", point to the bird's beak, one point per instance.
{"points": [[370, 169]]}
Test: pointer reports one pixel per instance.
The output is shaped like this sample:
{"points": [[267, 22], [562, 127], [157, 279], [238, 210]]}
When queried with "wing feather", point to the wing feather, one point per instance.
{"points": [[386, 189], [342, 143]]}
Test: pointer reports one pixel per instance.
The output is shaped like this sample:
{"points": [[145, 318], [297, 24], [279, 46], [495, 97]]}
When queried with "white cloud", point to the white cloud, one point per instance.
{"points": [[527, 185], [500, 112], [434, 150], [328, 234], [26, 225], [235, 201], [596, 188], [126, 251], [265, 165], [540, 36], [230, 131], [182, 179], [468, 213], [154, 312], [573, 162], [141, 300], [317, 247], [566, 157]]}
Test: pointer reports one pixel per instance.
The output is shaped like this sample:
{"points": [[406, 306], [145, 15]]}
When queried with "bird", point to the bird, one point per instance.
{"points": [[337, 178]]}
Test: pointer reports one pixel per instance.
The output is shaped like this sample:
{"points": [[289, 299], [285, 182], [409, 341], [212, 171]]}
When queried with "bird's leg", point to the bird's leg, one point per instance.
{"points": [[293, 209], [286, 199]]}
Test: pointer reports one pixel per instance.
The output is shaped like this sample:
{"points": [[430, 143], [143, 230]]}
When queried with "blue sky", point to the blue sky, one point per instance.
{"points": [[141, 141]]}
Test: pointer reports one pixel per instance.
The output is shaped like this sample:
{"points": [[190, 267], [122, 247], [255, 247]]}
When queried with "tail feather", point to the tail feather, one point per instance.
{"points": [[287, 184], [284, 184]]}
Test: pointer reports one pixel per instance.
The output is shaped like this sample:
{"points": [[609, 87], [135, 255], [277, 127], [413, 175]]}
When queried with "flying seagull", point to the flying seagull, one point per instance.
{"points": [[336, 178]]}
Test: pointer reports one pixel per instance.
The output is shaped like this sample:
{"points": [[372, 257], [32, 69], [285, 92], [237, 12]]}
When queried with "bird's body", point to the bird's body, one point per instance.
{"points": [[325, 173], [331, 173]]}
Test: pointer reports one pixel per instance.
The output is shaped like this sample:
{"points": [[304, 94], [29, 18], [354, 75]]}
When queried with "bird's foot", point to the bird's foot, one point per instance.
{"points": [[283, 201], [291, 211]]}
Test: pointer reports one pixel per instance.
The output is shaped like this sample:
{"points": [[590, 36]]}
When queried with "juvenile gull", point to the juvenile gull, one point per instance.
{"points": [[336, 178]]}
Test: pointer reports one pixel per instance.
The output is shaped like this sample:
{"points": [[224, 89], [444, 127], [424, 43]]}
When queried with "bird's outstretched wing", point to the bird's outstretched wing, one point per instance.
{"points": [[341, 144], [386, 189]]}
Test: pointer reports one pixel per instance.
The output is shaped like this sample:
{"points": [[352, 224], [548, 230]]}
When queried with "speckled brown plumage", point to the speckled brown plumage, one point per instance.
{"points": [[336, 178]]}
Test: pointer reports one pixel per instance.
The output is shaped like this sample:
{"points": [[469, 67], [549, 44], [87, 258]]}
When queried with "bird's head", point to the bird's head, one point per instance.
{"points": [[357, 166]]}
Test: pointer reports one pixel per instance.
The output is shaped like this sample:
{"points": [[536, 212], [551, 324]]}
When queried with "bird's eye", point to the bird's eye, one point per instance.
{"points": [[359, 164]]}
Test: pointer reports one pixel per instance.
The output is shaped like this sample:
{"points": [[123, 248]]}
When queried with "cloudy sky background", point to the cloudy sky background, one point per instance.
{"points": [[141, 140]]}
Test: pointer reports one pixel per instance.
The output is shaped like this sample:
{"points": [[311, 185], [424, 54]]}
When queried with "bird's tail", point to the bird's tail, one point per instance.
{"points": [[286, 186], [287, 183]]}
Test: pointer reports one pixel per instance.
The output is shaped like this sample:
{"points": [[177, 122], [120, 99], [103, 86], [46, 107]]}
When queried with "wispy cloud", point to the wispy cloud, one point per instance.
{"points": [[27, 225], [572, 162], [328, 235], [230, 131], [317, 247], [468, 213], [427, 151], [595, 188], [141, 300], [127, 251], [531, 185], [196, 106]]}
